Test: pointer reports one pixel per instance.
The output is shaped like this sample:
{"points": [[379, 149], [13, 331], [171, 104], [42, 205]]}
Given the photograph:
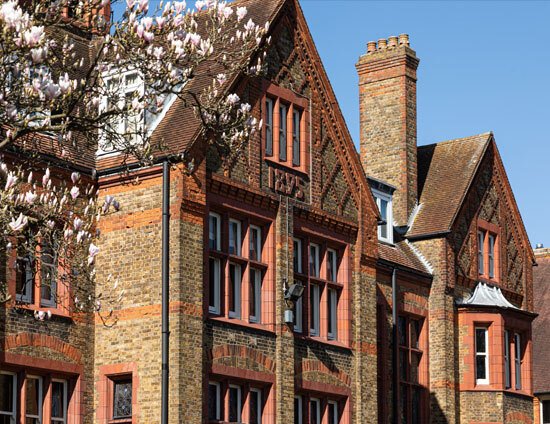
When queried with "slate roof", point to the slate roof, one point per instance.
{"points": [[445, 172], [541, 325]]}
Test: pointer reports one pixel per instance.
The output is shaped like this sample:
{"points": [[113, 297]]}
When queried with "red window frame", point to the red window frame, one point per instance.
{"points": [[282, 97], [486, 231]]}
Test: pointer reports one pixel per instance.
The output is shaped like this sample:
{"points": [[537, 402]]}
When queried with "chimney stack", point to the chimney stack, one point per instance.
{"points": [[387, 104]]}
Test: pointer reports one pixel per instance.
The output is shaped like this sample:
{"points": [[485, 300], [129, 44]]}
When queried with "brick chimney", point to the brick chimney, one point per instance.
{"points": [[387, 104]]}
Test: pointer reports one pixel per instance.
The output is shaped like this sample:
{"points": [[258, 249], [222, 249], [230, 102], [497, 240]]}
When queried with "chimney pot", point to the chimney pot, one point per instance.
{"points": [[403, 39], [371, 46], [392, 41], [382, 43]]}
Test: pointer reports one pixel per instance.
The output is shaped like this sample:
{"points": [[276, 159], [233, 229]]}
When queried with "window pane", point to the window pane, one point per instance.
{"points": [[235, 237], [314, 260], [213, 402], [297, 256], [480, 340], [296, 138], [6, 392], [517, 344], [314, 309], [58, 400], [333, 413], [404, 403], [282, 132], [332, 313], [415, 418], [480, 246], [403, 364], [255, 283], [507, 363], [415, 364], [268, 127], [415, 333], [402, 328], [214, 285], [255, 253], [314, 411], [122, 403], [297, 410], [235, 404], [481, 372], [32, 396], [255, 407], [48, 268], [25, 279], [332, 265], [213, 232], [234, 290], [546, 411]]}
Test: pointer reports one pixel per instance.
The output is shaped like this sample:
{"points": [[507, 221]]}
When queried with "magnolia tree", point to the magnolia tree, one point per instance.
{"points": [[104, 97]]}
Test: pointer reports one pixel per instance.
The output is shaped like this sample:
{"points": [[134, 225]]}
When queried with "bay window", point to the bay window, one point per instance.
{"points": [[236, 401], [317, 408]]}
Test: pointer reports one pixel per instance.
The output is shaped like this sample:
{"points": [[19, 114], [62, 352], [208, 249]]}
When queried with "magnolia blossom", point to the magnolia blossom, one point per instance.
{"points": [[75, 191], [10, 181], [18, 224], [92, 252]]}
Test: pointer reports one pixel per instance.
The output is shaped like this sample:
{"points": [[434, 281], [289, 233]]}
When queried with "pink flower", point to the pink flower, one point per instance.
{"points": [[143, 5], [75, 191], [241, 13], [77, 224], [46, 177], [147, 22], [75, 176], [33, 36], [11, 180], [19, 223], [232, 99], [93, 250], [38, 55], [160, 21], [11, 13], [30, 197], [148, 36]]}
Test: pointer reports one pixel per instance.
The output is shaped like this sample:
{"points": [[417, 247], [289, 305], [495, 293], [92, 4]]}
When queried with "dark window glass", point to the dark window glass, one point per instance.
{"points": [[480, 340], [214, 283], [507, 363], [402, 326], [546, 412], [404, 404], [297, 410], [481, 373], [297, 256], [24, 280], [255, 407], [122, 402], [415, 407], [59, 413], [6, 393], [314, 415], [255, 253], [296, 138], [282, 132], [268, 127], [213, 402], [48, 271], [235, 404], [517, 344]]}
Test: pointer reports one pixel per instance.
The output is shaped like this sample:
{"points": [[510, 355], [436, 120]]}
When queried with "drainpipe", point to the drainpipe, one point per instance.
{"points": [[165, 286], [395, 346]]}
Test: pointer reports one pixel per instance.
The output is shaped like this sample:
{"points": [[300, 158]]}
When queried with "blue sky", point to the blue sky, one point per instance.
{"points": [[484, 66]]}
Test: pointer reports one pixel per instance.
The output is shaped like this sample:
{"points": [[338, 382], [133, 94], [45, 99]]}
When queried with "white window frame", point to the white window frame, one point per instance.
{"points": [[257, 287], [238, 234], [314, 304], [485, 354], [65, 402], [544, 398], [317, 403], [40, 397], [254, 391], [299, 418], [298, 253], [296, 136], [217, 400], [255, 228], [120, 126], [315, 257], [378, 197], [215, 308], [334, 264], [236, 290], [332, 303], [332, 404], [218, 219], [239, 402], [481, 252], [517, 361], [268, 126], [283, 112], [12, 414], [491, 254], [298, 315]]}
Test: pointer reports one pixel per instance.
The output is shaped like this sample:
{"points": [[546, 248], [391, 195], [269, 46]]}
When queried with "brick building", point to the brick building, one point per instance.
{"points": [[301, 206], [541, 336]]}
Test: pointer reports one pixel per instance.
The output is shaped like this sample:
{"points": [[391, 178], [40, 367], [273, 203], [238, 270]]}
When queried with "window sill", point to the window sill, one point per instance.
{"points": [[323, 340], [299, 169], [242, 323], [485, 279], [31, 307], [120, 421]]}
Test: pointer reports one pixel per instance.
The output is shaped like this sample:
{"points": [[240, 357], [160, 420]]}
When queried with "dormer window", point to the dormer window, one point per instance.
{"points": [[384, 203]]}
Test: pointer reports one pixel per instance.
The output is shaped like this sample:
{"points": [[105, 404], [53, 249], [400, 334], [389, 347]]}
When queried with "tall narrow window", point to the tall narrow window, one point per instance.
{"points": [[517, 351], [507, 363], [545, 406], [48, 273], [298, 413], [235, 404], [282, 132], [8, 396], [332, 313], [491, 254], [234, 237], [255, 293], [482, 356], [234, 290], [214, 278], [333, 417], [384, 203], [214, 401], [59, 402], [296, 137], [255, 241], [25, 279], [314, 411], [122, 398], [314, 310], [255, 404], [298, 315], [33, 400], [480, 252], [214, 231], [332, 265], [297, 256], [314, 260], [268, 127]]}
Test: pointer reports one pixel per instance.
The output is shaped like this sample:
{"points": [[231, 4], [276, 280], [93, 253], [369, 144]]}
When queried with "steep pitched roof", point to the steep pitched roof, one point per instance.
{"points": [[541, 325], [445, 172], [401, 253]]}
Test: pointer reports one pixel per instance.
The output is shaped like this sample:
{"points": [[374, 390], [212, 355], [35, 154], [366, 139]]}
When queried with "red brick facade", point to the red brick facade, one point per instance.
{"points": [[297, 207]]}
